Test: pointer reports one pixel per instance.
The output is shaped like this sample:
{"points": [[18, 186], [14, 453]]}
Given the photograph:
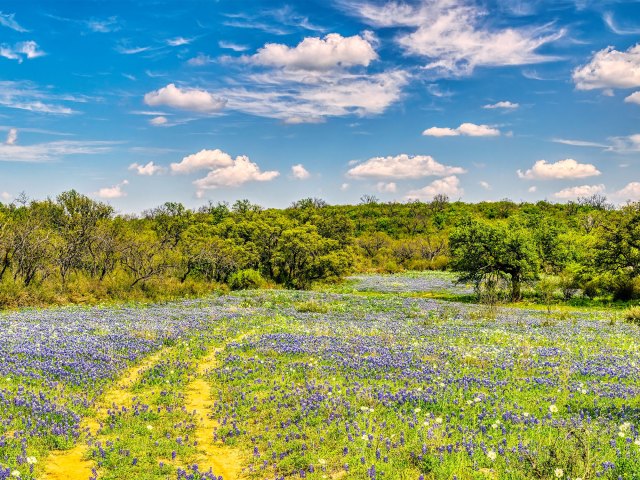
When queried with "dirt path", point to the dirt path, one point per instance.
{"points": [[72, 464], [223, 460]]}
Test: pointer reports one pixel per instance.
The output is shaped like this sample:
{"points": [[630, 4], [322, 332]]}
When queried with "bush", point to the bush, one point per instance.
{"points": [[246, 280], [632, 315]]}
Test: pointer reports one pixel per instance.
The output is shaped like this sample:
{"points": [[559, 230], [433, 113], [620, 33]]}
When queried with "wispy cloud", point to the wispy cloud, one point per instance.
{"points": [[579, 143], [280, 21], [456, 37], [21, 51], [126, 50], [610, 22], [236, 47], [179, 41], [51, 151], [8, 20], [26, 96]]}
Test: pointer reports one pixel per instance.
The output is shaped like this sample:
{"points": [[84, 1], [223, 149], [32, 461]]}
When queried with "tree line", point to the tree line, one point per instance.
{"points": [[75, 248]]}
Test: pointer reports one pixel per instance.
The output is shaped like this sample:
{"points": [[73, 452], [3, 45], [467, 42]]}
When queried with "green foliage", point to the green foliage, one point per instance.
{"points": [[246, 280], [632, 315], [49, 247]]}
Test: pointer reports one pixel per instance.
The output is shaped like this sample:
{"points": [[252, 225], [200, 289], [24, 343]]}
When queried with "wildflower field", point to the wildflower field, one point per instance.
{"points": [[281, 384]]}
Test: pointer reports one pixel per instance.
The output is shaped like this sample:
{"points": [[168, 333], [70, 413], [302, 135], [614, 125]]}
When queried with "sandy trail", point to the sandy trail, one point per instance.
{"points": [[71, 464], [222, 460]]}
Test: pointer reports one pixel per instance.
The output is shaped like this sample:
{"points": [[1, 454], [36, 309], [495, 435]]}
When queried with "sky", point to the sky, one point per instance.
{"points": [[141, 102]]}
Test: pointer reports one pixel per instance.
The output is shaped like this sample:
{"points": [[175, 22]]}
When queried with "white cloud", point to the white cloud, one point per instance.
{"points": [[441, 132], [581, 191], [506, 105], [344, 187], [473, 130], [203, 160], [562, 169], [383, 187], [131, 50], [44, 152], [113, 192], [103, 26], [20, 51], [610, 68], [319, 54], [241, 171], [579, 143], [467, 129], [8, 20], [532, 189], [608, 19], [224, 171], [630, 192], [200, 60], [26, 96], [148, 169], [310, 98], [179, 41], [6, 196], [232, 46], [158, 121], [402, 167], [630, 144], [449, 186], [184, 99], [299, 172], [457, 36], [633, 98], [12, 136], [484, 185]]}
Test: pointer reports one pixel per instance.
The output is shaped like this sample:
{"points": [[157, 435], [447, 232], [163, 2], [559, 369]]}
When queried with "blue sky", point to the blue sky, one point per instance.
{"points": [[138, 103]]}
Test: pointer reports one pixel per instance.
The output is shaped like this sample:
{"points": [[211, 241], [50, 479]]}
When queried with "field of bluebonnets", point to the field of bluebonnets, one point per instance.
{"points": [[323, 385]]}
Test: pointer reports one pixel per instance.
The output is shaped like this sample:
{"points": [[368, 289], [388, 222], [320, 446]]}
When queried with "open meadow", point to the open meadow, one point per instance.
{"points": [[278, 384]]}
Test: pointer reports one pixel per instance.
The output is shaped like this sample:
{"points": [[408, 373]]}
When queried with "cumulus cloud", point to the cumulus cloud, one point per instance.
{"points": [[467, 129], [241, 171], [456, 37], [630, 192], [610, 68], [224, 171], [581, 191], [449, 186], [532, 189], [6, 196], [505, 105], [21, 51], [402, 167], [115, 191], [485, 185], [633, 98], [12, 137], [315, 53], [185, 99], [203, 160], [149, 169], [562, 169], [299, 172]]}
